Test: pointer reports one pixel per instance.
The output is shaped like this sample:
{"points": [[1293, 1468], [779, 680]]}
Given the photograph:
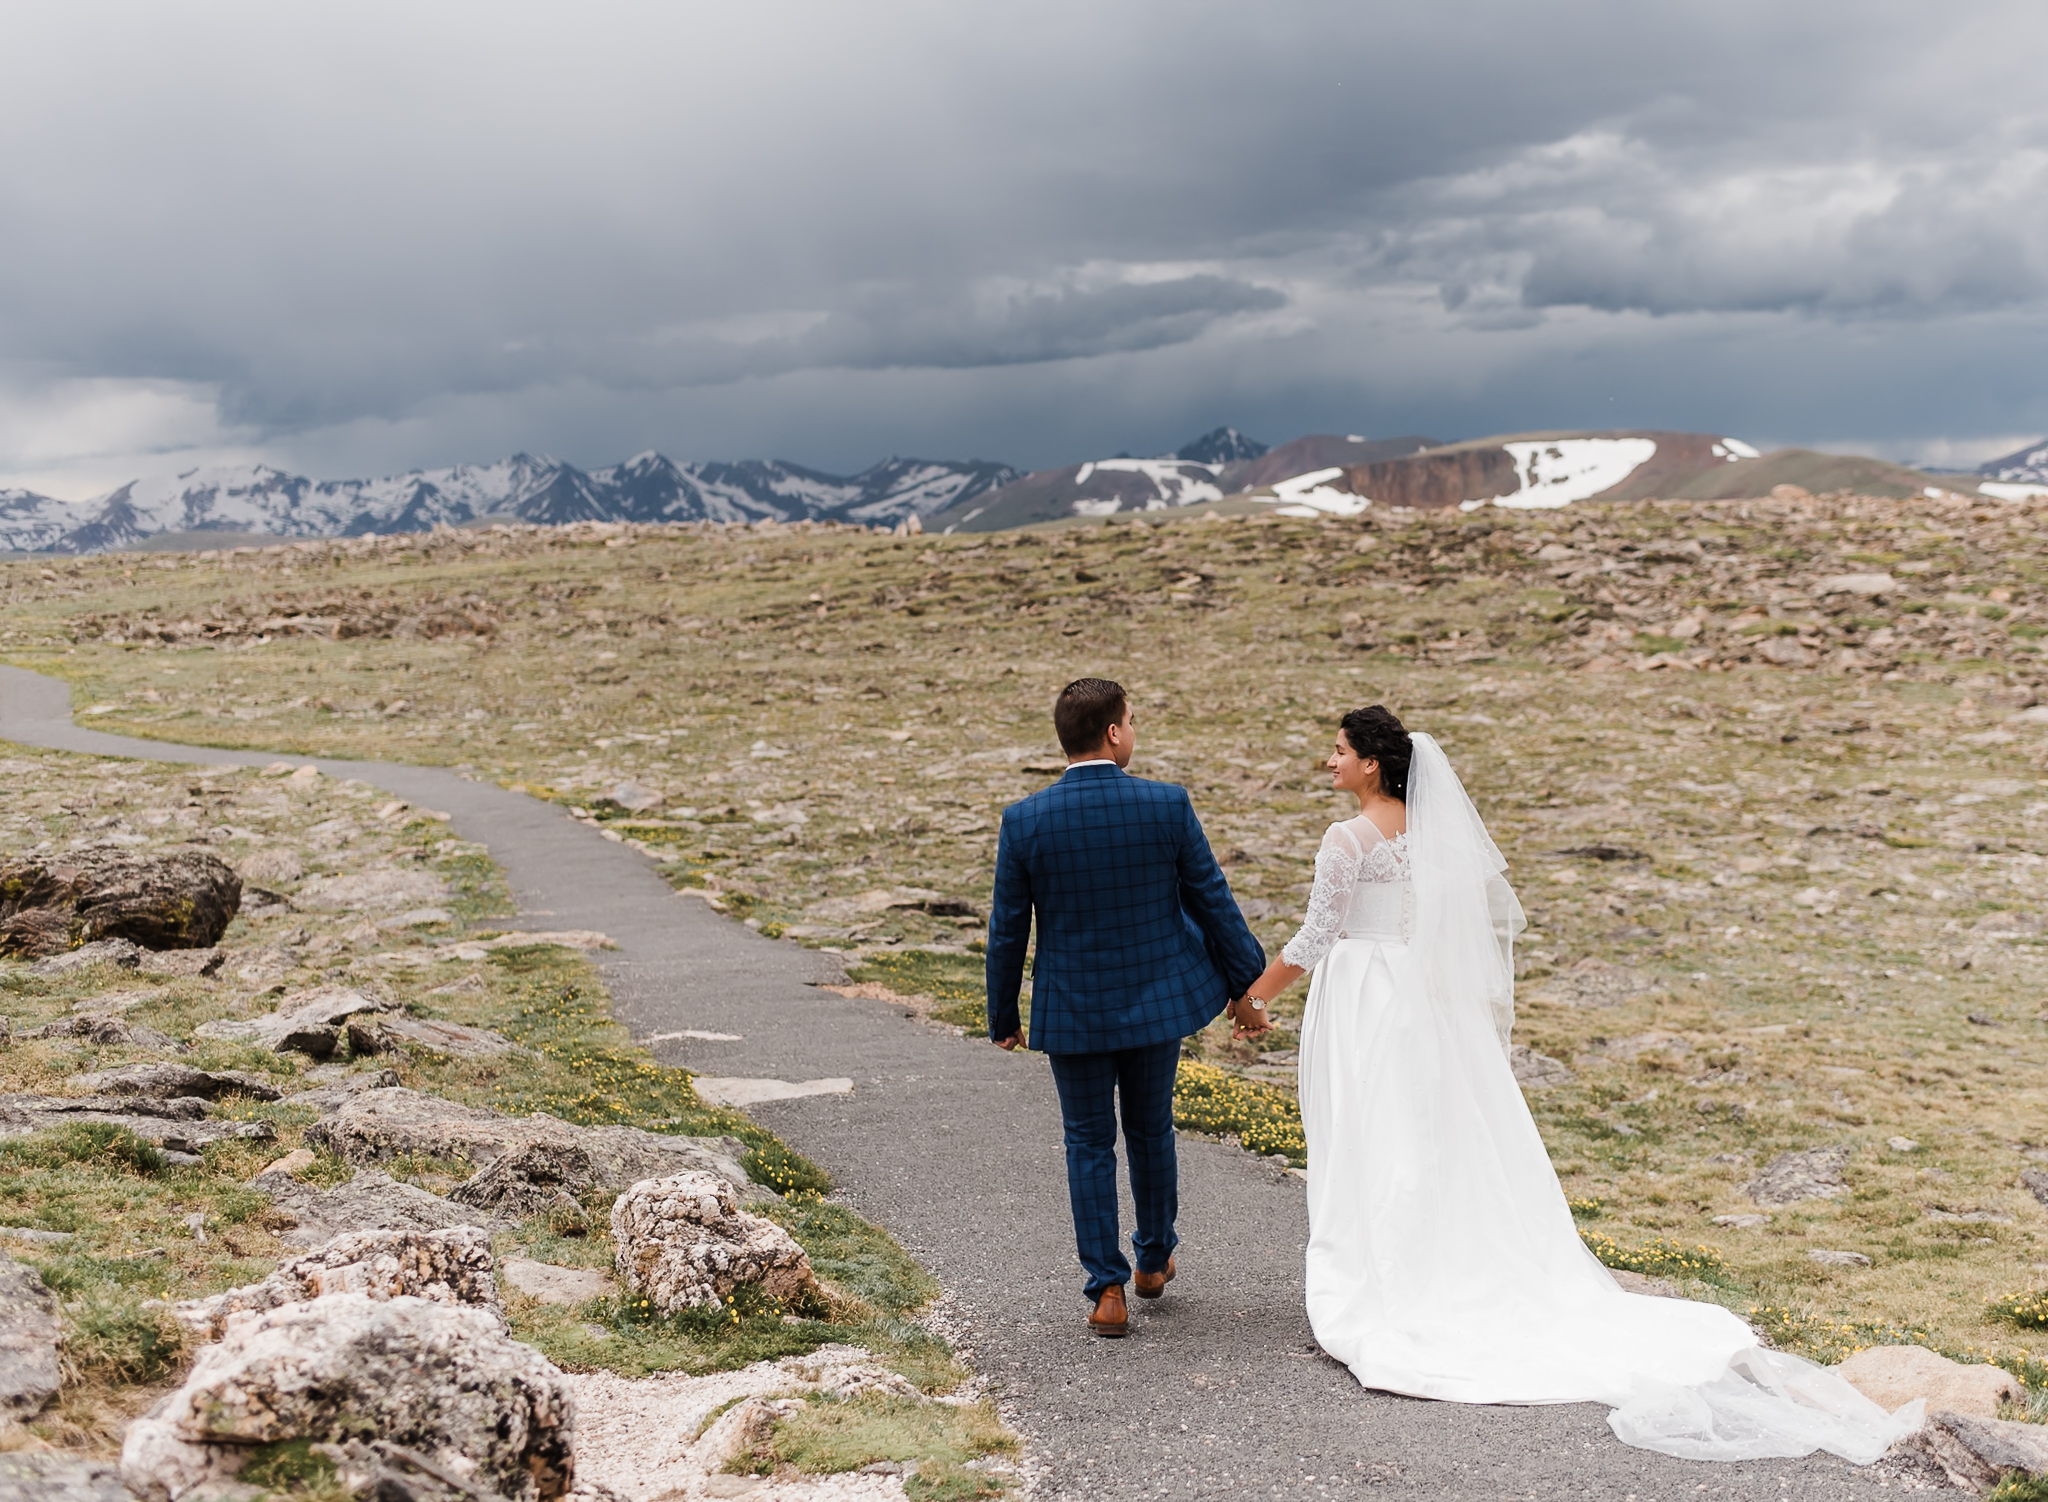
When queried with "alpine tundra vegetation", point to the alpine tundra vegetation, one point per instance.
{"points": [[1769, 774]]}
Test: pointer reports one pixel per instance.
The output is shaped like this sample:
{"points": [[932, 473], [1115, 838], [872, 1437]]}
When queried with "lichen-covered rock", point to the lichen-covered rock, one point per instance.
{"points": [[1537, 1071], [54, 1476], [315, 1022], [119, 953], [443, 1381], [448, 1266], [108, 1031], [371, 1201], [528, 1162], [168, 1081], [384, 889], [1977, 1453], [683, 1242], [29, 1336], [178, 1125], [1790, 1177], [179, 899]]}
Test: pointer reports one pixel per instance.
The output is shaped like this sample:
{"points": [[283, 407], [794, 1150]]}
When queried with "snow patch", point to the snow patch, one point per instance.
{"points": [[1313, 495], [1735, 448], [2012, 492], [1563, 470]]}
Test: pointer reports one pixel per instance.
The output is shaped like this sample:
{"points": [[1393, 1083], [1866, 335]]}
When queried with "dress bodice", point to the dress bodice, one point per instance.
{"points": [[1362, 890]]}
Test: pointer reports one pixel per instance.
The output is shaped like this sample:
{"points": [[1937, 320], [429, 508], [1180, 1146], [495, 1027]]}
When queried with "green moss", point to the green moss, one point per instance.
{"points": [[830, 1436]]}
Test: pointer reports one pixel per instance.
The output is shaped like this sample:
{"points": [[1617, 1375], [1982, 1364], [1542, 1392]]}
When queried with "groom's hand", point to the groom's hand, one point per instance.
{"points": [[1249, 1021], [1013, 1042]]}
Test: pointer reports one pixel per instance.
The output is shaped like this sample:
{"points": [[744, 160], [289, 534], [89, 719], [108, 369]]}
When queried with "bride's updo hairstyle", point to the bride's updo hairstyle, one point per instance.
{"points": [[1377, 734]]}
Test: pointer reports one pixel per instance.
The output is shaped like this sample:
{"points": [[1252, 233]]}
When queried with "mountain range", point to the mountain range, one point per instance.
{"points": [[256, 499], [1322, 472]]}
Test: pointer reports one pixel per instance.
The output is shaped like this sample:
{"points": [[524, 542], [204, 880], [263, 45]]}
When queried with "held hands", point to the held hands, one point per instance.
{"points": [[1013, 1042], [1248, 1021]]}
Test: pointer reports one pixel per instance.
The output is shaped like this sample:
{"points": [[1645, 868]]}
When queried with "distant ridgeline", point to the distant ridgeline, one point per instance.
{"points": [[1322, 473]]}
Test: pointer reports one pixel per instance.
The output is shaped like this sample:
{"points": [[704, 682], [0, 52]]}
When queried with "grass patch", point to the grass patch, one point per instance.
{"points": [[943, 1481], [1265, 1118], [2027, 1310], [857, 1258], [843, 1435], [1661, 1258]]}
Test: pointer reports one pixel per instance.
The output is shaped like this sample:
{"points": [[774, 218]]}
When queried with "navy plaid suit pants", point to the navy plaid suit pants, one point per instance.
{"points": [[1090, 1085]]}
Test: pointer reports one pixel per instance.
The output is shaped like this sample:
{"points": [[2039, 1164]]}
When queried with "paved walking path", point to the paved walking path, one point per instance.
{"points": [[955, 1147]]}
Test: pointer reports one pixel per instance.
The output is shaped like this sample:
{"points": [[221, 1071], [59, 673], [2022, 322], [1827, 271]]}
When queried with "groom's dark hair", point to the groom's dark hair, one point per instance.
{"points": [[1084, 711]]}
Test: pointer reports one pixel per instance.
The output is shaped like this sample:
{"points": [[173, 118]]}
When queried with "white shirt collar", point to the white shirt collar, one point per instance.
{"points": [[1100, 761]]}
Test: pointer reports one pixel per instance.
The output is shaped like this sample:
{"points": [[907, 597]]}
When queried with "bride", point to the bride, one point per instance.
{"points": [[1443, 1261]]}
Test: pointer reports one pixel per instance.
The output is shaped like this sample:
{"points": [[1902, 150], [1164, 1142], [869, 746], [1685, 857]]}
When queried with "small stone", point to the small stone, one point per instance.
{"points": [[1742, 1222], [2035, 1182], [291, 1162], [548, 1284], [1901, 1144], [184, 963], [116, 952], [683, 1242], [453, 1039], [1837, 1259], [1535, 1071], [274, 866], [30, 1333], [32, 1235], [1893, 1376], [1815, 1173]]}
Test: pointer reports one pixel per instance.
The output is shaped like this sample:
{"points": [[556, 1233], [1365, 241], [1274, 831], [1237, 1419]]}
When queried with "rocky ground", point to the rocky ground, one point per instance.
{"points": [[1769, 774], [202, 1150]]}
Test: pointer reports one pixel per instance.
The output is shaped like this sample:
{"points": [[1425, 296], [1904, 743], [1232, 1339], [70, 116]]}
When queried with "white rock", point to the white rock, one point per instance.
{"points": [[1867, 585], [683, 1242], [447, 1266]]}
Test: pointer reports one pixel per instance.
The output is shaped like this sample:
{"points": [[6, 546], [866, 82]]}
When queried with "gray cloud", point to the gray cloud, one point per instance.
{"points": [[388, 235]]}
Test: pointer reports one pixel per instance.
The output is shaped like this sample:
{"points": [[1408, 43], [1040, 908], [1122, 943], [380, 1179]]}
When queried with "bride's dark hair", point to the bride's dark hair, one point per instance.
{"points": [[1377, 734]]}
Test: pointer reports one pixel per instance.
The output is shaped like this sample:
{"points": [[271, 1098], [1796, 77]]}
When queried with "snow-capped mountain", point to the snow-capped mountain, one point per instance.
{"points": [[258, 499], [1223, 446], [2029, 466]]}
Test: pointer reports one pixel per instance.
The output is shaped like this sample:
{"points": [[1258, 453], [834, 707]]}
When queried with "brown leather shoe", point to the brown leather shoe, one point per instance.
{"points": [[1151, 1285], [1110, 1318]]}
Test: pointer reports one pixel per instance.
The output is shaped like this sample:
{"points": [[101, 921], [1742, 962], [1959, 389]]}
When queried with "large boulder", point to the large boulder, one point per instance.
{"points": [[1893, 1376], [448, 1266], [684, 1243], [526, 1162], [371, 1201], [29, 1336], [180, 899], [442, 1381]]}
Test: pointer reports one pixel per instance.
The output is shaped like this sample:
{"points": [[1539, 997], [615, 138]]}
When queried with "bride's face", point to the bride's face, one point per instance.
{"points": [[1350, 772]]}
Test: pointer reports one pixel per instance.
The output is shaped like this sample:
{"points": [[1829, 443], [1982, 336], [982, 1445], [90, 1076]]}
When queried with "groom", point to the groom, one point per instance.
{"points": [[1139, 944]]}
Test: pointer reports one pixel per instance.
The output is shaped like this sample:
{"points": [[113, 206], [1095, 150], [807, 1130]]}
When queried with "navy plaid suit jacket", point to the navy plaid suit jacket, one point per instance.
{"points": [[1139, 939]]}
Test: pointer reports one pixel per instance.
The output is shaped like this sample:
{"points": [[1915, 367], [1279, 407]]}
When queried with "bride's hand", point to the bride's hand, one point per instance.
{"points": [[1248, 1021]]}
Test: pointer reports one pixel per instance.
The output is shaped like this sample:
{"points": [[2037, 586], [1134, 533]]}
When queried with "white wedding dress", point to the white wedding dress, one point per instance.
{"points": [[1443, 1261]]}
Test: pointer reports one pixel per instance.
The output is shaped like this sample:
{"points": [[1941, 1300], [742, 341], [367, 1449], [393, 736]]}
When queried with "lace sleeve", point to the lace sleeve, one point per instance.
{"points": [[1337, 866]]}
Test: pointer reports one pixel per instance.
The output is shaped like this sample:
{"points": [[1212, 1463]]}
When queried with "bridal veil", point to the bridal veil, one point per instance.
{"points": [[1443, 1260]]}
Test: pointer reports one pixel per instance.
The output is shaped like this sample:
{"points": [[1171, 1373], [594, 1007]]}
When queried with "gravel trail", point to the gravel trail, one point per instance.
{"points": [[955, 1147]]}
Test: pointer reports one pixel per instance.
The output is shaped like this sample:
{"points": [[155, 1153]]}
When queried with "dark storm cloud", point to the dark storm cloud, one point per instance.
{"points": [[381, 234]]}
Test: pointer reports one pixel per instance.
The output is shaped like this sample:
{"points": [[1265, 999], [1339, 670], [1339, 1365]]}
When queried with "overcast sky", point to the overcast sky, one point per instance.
{"points": [[354, 238]]}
